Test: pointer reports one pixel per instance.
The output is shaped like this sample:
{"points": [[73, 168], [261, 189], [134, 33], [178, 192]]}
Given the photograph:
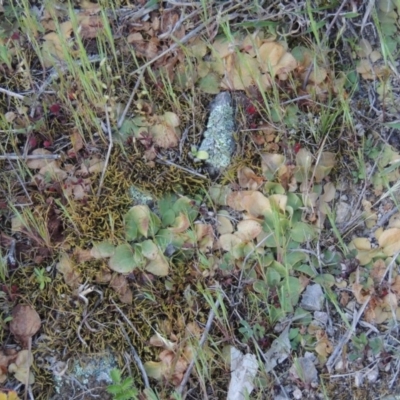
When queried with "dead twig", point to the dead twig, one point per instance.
{"points": [[110, 145], [338, 349], [30, 157], [11, 94], [190, 171], [201, 343], [385, 218], [136, 357], [123, 115]]}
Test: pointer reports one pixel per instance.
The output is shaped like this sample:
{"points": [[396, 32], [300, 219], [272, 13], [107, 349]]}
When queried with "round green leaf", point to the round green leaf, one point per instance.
{"points": [[149, 249], [159, 266], [302, 232], [124, 259], [102, 250], [273, 277], [168, 217], [138, 217], [260, 286]]}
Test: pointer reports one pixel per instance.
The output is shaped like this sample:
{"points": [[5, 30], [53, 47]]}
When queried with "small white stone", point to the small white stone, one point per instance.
{"points": [[313, 298], [373, 375], [343, 213], [358, 379], [321, 316], [297, 394]]}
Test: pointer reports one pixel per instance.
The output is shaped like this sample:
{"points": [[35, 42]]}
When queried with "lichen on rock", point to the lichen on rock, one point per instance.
{"points": [[218, 139]]}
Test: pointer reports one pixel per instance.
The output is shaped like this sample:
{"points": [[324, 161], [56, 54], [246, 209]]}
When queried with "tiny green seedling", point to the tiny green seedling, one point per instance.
{"points": [[41, 278], [199, 155], [122, 389]]}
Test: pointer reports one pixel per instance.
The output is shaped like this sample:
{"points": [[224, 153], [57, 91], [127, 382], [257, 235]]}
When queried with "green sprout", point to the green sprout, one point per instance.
{"points": [[41, 277], [121, 389]]}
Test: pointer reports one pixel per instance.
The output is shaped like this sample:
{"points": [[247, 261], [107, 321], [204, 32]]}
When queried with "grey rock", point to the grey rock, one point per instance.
{"points": [[313, 298], [343, 213], [303, 369], [218, 139]]}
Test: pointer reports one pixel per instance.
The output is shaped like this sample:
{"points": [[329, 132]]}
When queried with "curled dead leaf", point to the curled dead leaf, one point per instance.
{"points": [[248, 179]]}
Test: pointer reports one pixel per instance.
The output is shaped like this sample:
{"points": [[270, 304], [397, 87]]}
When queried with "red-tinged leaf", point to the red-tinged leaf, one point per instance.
{"points": [[55, 108]]}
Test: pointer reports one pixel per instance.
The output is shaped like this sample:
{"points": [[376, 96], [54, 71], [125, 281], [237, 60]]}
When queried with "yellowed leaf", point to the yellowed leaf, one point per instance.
{"points": [[224, 224], [362, 243], [269, 55], [181, 224], [389, 240], [394, 221], [159, 266], [279, 200], [256, 204], [248, 230], [228, 241], [271, 163]]}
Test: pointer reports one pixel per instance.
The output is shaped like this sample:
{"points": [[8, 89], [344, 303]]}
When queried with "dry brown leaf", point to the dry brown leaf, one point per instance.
{"points": [[166, 133], [54, 171], [71, 276], [395, 287], [159, 341], [135, 37], [248, 179], [90, 26], [360, 293], [175, 366], [39, 162], [24, 324], [147, 48], [205, 236], [324, 346], [76, 141], [378, 270], [121, 286]]}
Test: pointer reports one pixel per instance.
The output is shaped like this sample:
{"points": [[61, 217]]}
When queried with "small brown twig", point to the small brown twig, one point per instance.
{"points": [[123, 115], [201, 343], [110, 145], [136, 357], [12, 94], [30, 157], [336, 353], [167, 162], [134, 352]]}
